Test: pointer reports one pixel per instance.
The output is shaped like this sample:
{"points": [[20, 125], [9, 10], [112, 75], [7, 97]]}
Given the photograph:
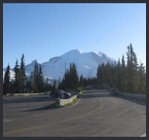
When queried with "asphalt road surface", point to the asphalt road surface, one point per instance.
{"points": [[97, 114]]}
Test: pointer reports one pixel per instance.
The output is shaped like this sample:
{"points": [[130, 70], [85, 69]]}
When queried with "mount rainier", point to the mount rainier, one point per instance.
{"points": [[86, 63]]}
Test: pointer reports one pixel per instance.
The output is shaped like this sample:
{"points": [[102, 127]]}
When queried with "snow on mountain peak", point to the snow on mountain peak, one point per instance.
{"points": [[75, 51], [34, 61], [12, 74], [86, 63], [54, 59], [100, 54], [81, 52]]}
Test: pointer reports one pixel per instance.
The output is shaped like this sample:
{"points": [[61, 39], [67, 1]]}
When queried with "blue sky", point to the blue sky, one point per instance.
{"points": [[42, 31]]}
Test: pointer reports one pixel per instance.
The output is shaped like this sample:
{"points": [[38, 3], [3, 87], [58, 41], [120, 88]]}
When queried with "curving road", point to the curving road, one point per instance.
{"points": [[97, 114]]}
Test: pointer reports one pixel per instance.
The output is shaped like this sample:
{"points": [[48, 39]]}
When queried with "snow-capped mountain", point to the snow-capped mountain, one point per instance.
{"points": [[86, 64], [12, 74]]}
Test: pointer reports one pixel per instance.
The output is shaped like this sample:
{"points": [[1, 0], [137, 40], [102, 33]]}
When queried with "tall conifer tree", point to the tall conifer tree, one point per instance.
{"points": [[22, 80], [17, 77], [6, 84]]}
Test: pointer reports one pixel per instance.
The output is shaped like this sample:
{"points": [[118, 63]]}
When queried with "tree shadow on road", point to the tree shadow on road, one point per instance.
{"points": [[141, 102], [54, 105], [95, 95], [25, 100]]}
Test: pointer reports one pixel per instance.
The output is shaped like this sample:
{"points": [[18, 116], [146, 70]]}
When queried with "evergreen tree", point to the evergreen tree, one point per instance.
{"points": [[123, 74], [126, 77], [131, 70], [54, 85], [22, 75], [36, 89], [141, 79], [81, 81], [32, 82], [47, 86], [11, 87], [70, 79], [37, 79], [101, 74], [118, 75], [6, 84], [40, 79], [112, 71], [75, 78], [59, 82], [17, 77], [28, 86], [108, 73]]}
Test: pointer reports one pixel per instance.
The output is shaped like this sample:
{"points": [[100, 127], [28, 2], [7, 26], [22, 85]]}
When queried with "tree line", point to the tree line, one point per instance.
{"points": [[21, 83], [70, 80], [126, 76]]}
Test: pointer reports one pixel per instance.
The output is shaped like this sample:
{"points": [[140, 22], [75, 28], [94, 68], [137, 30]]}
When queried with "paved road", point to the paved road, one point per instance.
{"points": [[97, 114]]}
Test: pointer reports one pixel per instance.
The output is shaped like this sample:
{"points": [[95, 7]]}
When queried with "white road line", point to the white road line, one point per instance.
{"points": [[144, 135]]}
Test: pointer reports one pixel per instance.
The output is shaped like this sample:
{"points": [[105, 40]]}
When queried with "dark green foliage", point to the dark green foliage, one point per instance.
{"points": [[90, 83], [20, 83], [123, 74], [17, 77], [40, 78], [35, 77], [141, 79], [54, 85], [132, 67], [100, 74], [22, 76], [70, 79], [81, 81], [12, 87], [37, 83], [6, 84], [118, 75], [31, 88], [47, 85], [126, 77]]}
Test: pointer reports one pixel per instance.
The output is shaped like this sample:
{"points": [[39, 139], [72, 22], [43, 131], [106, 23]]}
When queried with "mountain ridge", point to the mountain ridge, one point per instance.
{"points": [[86, 63]]}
